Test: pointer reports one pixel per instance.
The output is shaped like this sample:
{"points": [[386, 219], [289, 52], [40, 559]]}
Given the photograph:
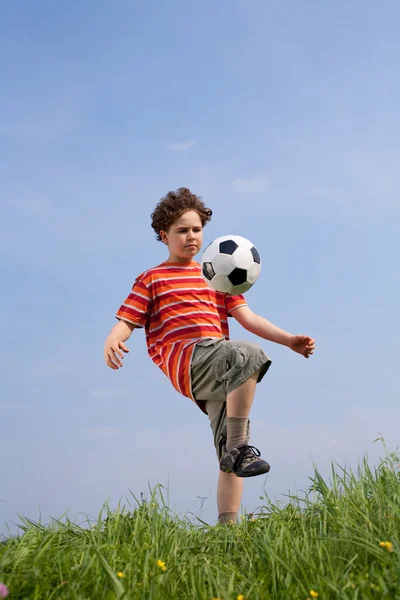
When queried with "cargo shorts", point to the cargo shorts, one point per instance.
{"points": [[218, 367]]}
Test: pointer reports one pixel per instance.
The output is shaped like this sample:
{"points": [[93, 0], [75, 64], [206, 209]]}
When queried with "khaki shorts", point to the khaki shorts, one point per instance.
{"points": [[218, 367]]}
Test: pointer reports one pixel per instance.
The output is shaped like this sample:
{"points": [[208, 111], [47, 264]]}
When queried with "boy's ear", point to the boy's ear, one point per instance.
{"points": [[164, 237]]}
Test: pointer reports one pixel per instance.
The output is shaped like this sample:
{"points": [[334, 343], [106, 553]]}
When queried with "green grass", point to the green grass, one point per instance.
{"points": [[326, 541]]}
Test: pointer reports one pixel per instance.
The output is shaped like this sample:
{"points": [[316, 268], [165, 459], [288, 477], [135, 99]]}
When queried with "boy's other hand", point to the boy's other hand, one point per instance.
{"points": [[113, 354], [302, 344]]}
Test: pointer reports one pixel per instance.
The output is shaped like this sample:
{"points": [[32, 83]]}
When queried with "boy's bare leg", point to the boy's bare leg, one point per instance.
{"points": [[229, 495]]}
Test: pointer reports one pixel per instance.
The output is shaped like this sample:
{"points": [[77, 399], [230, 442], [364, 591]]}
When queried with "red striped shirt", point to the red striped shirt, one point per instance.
{"points": [[177, 309]]}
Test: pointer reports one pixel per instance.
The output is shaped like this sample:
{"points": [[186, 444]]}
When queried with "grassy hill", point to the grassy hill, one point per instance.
{"points": [[340, 541]]}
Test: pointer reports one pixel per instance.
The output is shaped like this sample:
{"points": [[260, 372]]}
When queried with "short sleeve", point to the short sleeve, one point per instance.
{"points": [[233, 302], [137, 306]]}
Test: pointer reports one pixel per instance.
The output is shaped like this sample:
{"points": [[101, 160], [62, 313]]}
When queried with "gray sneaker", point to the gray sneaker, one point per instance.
{"points": [[243, 461]]}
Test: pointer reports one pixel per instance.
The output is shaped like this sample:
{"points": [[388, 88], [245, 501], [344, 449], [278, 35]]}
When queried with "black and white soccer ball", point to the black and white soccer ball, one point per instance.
{"points": [[231, 264]]}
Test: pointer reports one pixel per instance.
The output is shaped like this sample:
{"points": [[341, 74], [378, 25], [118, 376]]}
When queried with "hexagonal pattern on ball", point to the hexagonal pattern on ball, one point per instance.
{"points": [[253, 273], [243, 258], [222, 284], [223, 264]]}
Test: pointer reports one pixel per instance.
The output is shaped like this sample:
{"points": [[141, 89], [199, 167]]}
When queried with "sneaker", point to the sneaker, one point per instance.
{"points": [[244, 462]]}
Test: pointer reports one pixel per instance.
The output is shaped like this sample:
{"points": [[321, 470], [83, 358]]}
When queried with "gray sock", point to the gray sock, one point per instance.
{"points": [[228, 517], [237, 432]]}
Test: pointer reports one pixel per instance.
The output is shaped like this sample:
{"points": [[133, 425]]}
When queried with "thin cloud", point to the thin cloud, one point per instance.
{"points": [[251, 185], [180, 146]]}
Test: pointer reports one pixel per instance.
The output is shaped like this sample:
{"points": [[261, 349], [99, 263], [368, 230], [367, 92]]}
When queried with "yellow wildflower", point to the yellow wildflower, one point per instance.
{"points": [[161, 564], [240, 597], [120, 574], [387, 545], [313, 594]]}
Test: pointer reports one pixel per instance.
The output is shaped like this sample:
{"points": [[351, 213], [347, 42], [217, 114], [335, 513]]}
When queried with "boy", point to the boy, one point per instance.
{"points": [[187, 336]]}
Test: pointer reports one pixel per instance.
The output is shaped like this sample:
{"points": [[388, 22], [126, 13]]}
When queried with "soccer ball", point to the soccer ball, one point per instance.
{"points": [[231, 264]]}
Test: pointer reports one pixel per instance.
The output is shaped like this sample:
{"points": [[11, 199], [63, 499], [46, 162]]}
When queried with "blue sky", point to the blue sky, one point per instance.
{"points": [[284, 117]]}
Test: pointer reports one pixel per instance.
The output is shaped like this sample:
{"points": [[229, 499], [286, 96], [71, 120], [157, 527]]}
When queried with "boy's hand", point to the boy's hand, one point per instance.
{"points": [[303, 344], [112, 353]]}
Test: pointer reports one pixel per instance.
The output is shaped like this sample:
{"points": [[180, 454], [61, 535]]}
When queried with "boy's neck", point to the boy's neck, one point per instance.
{"points": [[175, 261]]}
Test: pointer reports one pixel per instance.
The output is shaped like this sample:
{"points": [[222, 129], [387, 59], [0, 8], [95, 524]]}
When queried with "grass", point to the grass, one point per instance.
{"points": [[340, 540]]}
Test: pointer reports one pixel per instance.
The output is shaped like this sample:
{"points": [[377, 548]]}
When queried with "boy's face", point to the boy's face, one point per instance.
{"points": [[184, 238]]}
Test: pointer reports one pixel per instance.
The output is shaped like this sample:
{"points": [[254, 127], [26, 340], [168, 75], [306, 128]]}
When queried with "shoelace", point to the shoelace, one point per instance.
{"points": [[245, 452]]}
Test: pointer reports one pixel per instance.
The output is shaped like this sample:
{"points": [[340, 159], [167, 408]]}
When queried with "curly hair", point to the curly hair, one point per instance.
{"points": [[173, 206]]}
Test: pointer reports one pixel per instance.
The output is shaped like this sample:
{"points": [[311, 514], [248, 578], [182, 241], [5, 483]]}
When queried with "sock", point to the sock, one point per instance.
{"points": [[237, 432], [228, 517]]}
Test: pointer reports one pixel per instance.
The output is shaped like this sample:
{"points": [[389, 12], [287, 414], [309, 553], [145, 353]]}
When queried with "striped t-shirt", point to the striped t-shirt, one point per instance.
{"points": [[177, 308]]}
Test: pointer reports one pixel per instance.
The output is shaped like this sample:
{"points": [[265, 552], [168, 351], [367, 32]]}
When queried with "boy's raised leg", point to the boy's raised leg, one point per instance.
{"points": [[238, 456]]}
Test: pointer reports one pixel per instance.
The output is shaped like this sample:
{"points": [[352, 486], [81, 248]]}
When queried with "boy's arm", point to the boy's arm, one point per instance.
{"points": [[114, 344], [259, 326]]}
